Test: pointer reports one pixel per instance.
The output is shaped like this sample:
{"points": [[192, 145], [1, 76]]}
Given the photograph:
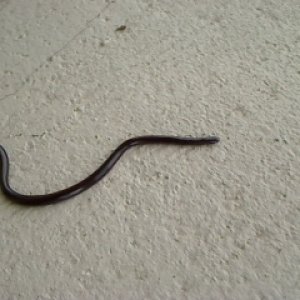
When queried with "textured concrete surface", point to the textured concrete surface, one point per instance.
{"points": [[216, 222]]}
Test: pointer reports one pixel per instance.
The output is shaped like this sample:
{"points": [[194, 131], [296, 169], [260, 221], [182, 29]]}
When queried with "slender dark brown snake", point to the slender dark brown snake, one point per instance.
{"points": [[94, 177]]}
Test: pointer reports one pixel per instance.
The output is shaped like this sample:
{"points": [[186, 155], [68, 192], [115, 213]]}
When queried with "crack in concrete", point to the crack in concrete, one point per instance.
{"points": [[88, 24]]}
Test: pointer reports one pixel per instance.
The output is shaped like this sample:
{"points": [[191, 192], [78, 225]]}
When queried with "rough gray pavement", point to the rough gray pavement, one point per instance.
{"points": [[218, 222]]}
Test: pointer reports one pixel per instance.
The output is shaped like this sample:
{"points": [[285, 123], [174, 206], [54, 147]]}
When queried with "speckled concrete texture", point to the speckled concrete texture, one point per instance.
{"points": [[219, 222]]}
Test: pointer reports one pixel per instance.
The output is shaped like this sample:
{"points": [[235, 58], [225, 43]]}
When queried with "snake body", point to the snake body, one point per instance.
{"points": [[94, 177]]}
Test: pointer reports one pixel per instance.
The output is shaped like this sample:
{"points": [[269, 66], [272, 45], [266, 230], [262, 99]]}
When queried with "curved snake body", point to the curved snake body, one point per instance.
{"points": [[97, 175]]}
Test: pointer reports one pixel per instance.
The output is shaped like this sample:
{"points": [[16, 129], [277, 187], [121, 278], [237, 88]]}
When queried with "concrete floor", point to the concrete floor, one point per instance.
{"points": [[218, 222]]}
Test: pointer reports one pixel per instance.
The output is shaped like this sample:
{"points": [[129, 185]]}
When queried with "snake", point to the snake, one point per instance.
{"points": [[96, 176]]}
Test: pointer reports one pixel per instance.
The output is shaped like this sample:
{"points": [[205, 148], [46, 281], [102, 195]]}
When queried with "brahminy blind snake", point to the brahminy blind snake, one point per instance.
{"points": [[97, 175]]}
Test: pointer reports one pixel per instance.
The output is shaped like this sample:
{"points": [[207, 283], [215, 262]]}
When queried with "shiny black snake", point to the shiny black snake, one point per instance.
{"points": [[97, 175]]}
